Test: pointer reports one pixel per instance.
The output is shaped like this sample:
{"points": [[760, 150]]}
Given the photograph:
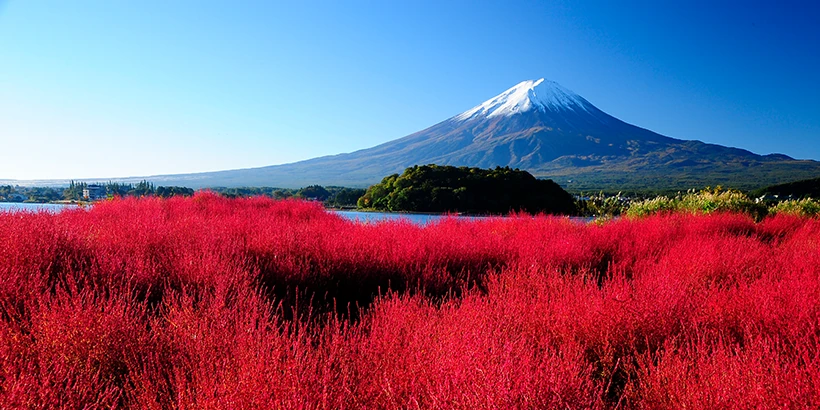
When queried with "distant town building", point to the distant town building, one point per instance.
{"points": [[94, 192]]}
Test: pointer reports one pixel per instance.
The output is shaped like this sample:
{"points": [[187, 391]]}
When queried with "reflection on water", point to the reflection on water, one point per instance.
{"points": [[421, 219], [19, 206]]}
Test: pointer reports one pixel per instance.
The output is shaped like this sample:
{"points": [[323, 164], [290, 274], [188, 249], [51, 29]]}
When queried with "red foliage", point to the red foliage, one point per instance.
{"points": [[208, 302]]}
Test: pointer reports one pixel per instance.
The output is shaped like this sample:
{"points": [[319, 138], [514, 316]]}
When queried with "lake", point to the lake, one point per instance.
{"points": [[19, 206], [420, 219]]}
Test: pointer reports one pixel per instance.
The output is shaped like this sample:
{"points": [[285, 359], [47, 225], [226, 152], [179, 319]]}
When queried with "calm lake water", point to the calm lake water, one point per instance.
{"points": [[421, 219], [17, 206]]}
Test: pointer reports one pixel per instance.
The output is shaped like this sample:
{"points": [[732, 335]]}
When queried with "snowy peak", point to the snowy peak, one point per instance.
{"points": [[527, 95]]}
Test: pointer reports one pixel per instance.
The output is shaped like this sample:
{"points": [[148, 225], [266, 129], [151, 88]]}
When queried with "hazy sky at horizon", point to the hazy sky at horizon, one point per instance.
{"points": [[96, 89]]}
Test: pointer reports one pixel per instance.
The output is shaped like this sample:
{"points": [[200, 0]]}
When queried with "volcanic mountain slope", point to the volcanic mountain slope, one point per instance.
{"points": [[541, 127], [548, 130]]}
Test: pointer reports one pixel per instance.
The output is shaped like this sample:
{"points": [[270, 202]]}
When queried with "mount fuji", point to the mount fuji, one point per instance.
{"points": [[541, 127]]}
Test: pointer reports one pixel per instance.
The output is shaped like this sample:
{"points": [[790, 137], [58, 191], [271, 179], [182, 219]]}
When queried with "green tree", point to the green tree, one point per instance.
{"points": [[143, 188], [74, 190], [433, 188], [314, 192], [170, 191], [346, 197]]}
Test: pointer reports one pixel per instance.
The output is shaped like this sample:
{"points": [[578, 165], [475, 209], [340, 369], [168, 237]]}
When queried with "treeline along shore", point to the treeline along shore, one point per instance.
{"points": [[434, 189]]}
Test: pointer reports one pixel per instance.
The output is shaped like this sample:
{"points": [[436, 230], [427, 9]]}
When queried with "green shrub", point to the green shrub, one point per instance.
{"points": [[652, 206], [718, 200], [602, 206], [704, 201], [801, 207]]}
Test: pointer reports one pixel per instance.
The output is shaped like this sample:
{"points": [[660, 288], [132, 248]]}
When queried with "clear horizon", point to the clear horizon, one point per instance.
{"points": [[97, 89]]}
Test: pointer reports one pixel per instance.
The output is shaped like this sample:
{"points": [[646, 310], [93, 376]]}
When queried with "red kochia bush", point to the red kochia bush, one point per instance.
{"points": [[208, 302]]}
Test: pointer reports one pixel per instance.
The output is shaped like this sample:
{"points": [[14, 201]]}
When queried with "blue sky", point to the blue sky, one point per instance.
{"points": [[94, 89]]}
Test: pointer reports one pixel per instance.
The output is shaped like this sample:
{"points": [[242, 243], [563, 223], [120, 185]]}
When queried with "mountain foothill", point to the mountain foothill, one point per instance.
{"points": [[540, 127]]}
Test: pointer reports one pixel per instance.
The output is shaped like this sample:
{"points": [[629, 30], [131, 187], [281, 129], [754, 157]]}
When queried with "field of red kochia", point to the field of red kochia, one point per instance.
{"points": [[214, 303]]}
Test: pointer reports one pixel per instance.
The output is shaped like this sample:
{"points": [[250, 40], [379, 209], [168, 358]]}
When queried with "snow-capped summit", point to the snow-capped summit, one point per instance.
{"points": [[527, 95], [540, 127]]}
